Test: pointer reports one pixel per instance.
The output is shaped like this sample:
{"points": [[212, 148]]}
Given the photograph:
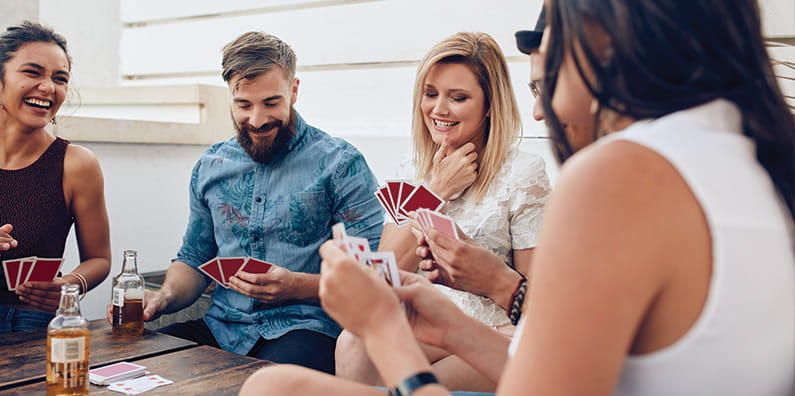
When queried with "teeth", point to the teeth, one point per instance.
{"points": [[444, 124], [38, 103]]}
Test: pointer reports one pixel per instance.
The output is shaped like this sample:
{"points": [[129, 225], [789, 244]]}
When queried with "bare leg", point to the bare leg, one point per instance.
{"points": [[284, 379], [457, 375], [354, 364], [352, 361]]}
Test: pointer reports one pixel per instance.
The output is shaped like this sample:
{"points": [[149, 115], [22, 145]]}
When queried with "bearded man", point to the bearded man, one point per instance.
{"points": [[271, 193]]}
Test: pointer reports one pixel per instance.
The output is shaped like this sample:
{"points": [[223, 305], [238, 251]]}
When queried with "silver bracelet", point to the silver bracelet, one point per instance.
{"points": [[83, 283]]}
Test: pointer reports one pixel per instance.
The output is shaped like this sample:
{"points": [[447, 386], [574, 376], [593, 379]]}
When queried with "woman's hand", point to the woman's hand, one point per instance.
{"points": [[44, 296], [6, 240], [353, 294], [464, 265], [454, 169], [431, 314]]}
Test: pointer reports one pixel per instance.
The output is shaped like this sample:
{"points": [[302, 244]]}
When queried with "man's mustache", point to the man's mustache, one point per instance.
{"points": [[264, 127]]}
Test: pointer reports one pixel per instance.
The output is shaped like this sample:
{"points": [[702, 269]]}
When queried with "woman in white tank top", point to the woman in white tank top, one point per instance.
{"points": [[665, 262]]}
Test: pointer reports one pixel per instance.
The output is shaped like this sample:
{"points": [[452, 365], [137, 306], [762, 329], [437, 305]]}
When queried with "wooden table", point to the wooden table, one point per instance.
{"points": [[23, 355], [202, 370]]}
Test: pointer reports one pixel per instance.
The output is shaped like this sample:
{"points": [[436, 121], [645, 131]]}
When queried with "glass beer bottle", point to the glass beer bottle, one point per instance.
{"points": [[68, 341], [128, 298]]}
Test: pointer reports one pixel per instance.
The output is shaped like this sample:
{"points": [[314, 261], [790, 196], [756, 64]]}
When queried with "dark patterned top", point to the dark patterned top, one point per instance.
{"points": [[32, 200]]}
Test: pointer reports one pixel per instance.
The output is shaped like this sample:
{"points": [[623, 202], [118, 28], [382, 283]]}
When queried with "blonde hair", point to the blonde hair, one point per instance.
{"points": [[484, 57]]}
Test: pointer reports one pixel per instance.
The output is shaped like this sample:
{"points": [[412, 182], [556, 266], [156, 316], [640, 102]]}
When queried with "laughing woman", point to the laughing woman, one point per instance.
{"points": [[46, 183]]}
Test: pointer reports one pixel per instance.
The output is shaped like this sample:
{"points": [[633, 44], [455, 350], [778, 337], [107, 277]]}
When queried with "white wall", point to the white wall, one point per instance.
{"points": [[356, 62]]}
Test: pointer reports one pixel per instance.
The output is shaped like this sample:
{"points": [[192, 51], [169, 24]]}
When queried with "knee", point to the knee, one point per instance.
{"points": [[274, 380], [350, 349]]}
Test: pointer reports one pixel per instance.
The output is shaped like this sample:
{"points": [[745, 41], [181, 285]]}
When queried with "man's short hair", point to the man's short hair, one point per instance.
{"points": [[254, 53]]}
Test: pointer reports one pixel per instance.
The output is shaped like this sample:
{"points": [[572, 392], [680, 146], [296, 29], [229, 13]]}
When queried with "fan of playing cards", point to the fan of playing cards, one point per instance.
{"points": [[221, 269], [399, 198], [30, 269], [359, 248]]}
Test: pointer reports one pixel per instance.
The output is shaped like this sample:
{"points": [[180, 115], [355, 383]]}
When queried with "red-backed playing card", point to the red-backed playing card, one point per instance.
{"points": [[44, 269], [443, 224], [230, 266], [24, 271], [421, 197], [11, 270], [213, 270], [254, 266], [385, 203]]}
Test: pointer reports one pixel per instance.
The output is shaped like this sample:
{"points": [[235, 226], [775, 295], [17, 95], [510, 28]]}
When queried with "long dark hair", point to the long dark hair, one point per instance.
{"points": [[27, 32], [669, 55]]}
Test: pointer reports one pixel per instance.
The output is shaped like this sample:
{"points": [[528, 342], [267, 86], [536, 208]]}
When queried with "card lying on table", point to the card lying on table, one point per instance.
{"points": [[115, 372], [139, 385]]}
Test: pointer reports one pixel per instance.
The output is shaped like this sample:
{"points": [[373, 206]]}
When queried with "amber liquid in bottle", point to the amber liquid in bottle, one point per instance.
{"points": [[128, 320], [68, 347], [128, 294]]}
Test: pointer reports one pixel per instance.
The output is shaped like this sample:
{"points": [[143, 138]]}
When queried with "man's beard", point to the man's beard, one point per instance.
{"points": [[263, 152]]}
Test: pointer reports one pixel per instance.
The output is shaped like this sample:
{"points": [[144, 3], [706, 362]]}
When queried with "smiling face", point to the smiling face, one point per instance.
{"points": [[262, 110], [454, 105], [34, 85]]}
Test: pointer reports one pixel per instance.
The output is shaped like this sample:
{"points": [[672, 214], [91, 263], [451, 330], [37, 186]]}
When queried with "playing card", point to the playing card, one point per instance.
{"points": [[359, 248], [11, 270], [443, 224], [139, 385], [24, 271], [254, 266], [115, 372], [421, 197], [339, 235], [44, 269], [393, 189], [230, 266], [386, 205], [423, 219], [386, 266], [406, 189], [213, 270]]}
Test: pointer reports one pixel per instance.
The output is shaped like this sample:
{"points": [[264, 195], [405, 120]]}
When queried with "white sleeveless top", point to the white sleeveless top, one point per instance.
{"points": [[743, 343], [506, 219]]}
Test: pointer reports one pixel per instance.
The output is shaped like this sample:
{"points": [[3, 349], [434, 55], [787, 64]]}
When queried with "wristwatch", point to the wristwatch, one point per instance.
{"points": [[412, 383]]}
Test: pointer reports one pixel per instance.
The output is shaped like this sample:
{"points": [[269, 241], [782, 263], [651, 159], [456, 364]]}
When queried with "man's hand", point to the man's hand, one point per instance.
{"points": [[276, 285], [155, 302]]}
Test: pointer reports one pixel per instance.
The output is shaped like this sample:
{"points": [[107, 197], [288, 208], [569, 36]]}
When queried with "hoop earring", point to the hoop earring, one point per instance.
{"points": [[52, 121]]}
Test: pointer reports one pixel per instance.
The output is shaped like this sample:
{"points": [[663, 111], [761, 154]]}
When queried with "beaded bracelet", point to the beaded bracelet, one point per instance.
{"points": [[412, 383], [517, 300]]}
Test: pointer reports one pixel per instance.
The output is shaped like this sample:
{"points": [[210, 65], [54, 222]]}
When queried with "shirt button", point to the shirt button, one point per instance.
{"points": [[256, 239], [259, 199]]}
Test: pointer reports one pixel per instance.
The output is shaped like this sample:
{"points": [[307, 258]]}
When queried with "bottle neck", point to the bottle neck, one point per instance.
{"points": [[70, 300], [130, 263]]}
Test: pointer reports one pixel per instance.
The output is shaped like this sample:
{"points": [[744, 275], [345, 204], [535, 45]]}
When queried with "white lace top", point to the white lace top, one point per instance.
{"points": [[506, 219]]}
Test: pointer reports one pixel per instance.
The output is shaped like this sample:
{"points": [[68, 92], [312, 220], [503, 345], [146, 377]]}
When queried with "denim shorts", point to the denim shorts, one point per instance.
{"points": [[15, 319]]}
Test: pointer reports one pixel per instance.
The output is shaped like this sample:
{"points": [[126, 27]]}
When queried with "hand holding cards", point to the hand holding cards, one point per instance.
{"points": [[35, 269], [428, 219], [383, 263], [221, 269], [399, 198]]}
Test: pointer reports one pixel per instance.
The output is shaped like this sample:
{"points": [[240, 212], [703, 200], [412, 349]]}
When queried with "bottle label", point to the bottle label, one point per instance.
{"points": [[118, 296], [67, 350]]}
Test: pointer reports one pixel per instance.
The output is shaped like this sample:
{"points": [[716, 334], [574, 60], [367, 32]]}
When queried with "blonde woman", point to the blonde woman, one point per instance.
{"points": [[465, 129]]}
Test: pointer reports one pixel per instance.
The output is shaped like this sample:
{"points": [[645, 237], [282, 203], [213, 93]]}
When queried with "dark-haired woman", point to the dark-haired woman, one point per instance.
{"points": [[665, 261], [46, 183]]}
